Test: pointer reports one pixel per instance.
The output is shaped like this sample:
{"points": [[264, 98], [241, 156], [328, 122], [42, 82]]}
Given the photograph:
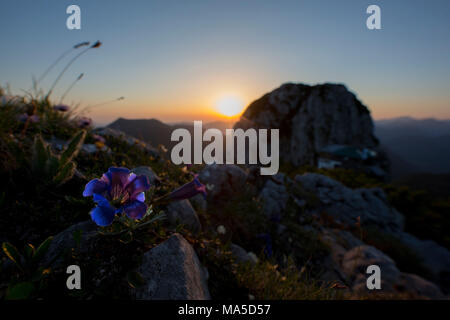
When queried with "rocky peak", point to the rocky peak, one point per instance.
{"points": [[310, 118]]}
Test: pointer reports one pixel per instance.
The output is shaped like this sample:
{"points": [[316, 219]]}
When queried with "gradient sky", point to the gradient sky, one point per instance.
{"points": [[172, 60]]}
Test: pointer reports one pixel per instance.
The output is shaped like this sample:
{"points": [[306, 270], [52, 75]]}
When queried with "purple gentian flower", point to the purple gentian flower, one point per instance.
{"points": [[117, 191], [84, 122], [188, 190], [61, 107]]}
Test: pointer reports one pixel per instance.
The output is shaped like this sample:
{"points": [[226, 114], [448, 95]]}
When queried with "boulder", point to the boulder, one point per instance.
{"points": [[240, 254], [223, 181], [199, 202], [419, 286], [172, 271], [274, 197], [64, 241], [355, 262], [339, 242], [434, 257], [310, 118], [354, 266], [345, 205], [182, 212]]}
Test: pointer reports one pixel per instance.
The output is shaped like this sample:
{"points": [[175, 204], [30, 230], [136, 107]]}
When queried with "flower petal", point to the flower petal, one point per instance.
{"points": [[141, 197], [95, 186], [201, 188], [138, 185], [135, 209], [103, 214], [188, 190], [118, 176], [101, 200]]}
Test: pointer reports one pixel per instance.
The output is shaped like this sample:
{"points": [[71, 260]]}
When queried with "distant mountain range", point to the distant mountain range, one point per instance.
{"points": [[413, 145], [151, 131], [156, 132], [416, 145]]}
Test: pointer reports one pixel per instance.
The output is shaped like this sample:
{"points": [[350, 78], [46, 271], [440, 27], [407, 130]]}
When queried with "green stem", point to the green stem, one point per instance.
{"points": [[64, 70]]}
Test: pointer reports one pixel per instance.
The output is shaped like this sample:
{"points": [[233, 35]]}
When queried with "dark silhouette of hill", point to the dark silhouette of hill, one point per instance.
{"points": [[151, 131], [416, 146], [156, 132], [429, 127], [436, 184]]}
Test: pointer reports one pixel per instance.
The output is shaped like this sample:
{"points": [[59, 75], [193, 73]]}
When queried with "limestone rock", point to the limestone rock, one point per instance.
{"points": [[356, 261], [172, 272], [65, 240], [434, 257], [345, 205], [310, 118], [239, 253], [223, 181], [274, 197], [182, 212]]}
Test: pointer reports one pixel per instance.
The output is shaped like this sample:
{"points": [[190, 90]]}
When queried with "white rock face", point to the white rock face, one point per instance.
{"points": [[310, 118]]}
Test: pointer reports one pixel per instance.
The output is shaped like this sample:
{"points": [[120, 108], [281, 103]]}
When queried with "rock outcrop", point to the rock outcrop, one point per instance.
{"points": [[345, 205], [355, 263], [274, 196], [240, 254], [348, 261], [310, 118], [183, 213], [64, 241], [435, 257], [172, 271], [223, 181]]}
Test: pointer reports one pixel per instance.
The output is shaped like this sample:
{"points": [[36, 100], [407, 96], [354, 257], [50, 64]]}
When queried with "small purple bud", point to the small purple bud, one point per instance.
{"points": [[61, 107], [188, 190], [34, 118], [84, 122]]}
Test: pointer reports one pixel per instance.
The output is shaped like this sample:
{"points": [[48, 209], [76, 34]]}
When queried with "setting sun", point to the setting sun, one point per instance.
{"points": [[230, 106]]}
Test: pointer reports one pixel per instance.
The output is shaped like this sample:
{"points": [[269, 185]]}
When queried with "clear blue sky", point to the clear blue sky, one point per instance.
{"points": [[173, 59]]}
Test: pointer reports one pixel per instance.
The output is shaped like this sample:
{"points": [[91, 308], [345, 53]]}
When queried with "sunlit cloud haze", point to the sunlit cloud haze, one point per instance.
{"points": [[173, 60]]}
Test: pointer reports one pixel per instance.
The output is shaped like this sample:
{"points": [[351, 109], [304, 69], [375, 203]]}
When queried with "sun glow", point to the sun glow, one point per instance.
{"points": [[229, 106]]}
